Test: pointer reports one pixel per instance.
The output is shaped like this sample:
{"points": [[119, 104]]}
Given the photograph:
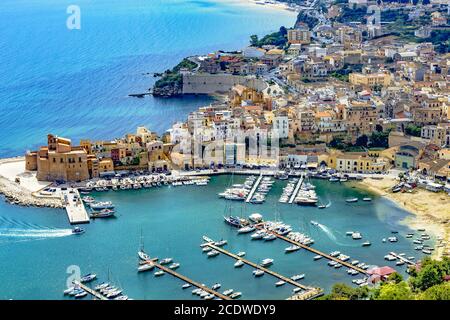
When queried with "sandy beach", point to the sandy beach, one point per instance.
{"points": [[274, 5], [430, 210]]}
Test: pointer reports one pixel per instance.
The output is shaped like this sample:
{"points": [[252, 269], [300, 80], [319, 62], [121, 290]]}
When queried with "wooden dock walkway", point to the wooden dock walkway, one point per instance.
{"points": [[297, 188], [255, 186], [257, 266], [317, 252], [187, 280], [92, 292], [76, 212], [407, 261]]}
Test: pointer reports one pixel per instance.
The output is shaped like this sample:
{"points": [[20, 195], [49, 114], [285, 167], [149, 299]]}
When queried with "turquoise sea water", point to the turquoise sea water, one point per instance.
{"points": [[75, 83], [35, 249]]}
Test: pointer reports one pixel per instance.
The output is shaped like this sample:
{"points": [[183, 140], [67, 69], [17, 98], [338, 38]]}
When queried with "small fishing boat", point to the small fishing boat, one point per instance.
{"points": [[241, 254], [159, 273], [186, 285], [235, 295], [318, 257], [351, 200], [366, 244], [321, 206], [101, 205], [367, 199], [238, 264]]}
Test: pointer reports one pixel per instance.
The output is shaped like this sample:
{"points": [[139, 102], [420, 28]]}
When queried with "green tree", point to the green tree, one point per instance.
{"points": [[413, 130], [437, 292], [395, 277], [341, 291], [254, 40], [394, 291], [362, 141]]}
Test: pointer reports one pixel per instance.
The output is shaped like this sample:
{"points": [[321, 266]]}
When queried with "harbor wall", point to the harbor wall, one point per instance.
{"points": [[218, 83]]}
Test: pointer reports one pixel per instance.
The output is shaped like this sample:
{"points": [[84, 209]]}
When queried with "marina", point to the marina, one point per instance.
{"points": [[92, 292], [255, 186], [187, 280], [155, 211], [260, 267]]}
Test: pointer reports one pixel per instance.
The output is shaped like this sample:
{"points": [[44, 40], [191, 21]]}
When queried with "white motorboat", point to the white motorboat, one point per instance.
{"points": [[166, 261], [186, 285], [298, 277], [238, 264], [356, 236], [258, 273], [216, 286], [174, 266], [291, 249], [212, 253], [145, 267], [241, 254], [246, 229], [235, 295], [280, 283], [266, 262], [228, 292], [269, 237], [159, 273]]}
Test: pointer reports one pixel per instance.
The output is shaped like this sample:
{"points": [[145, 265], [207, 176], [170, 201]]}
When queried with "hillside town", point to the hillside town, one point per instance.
{"points": [[336, 96]]}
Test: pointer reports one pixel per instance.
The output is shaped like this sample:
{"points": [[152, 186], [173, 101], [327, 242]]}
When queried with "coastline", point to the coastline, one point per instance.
{"points": [[429, 210], [274, 5]]}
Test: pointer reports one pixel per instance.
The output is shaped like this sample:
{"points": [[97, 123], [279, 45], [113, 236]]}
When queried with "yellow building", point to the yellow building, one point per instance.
{"points": [[370, 79], [59, 161], [356, 162]]}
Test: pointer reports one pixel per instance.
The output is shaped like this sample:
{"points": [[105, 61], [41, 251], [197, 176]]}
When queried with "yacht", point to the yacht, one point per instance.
{"points": [[174, 266], [206, 249], [186, 285], [238, 264], [337, 265], [143, 256], [212, 253], [88, 278], [101, 205], [216, 286], [400, 263], [334, 179], [88, 199], [246, 229], [318, 257], [297, 277], [221, 243], [292, 248], [159, 273], [206, 239], [258, 235], [228, 292], [104, 213], [235, 295], [101, 286], [82, 294], [269, 237], [280, 283], [241, 254], [267, 262], [166, 261], [392, 239], [258, 273], [233, 221], [145, 267]]}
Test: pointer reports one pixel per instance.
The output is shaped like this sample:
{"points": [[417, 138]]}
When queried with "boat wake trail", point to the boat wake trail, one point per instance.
{"points": [[331, 235], [35, 233], [12, 229], [328, 204]]}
